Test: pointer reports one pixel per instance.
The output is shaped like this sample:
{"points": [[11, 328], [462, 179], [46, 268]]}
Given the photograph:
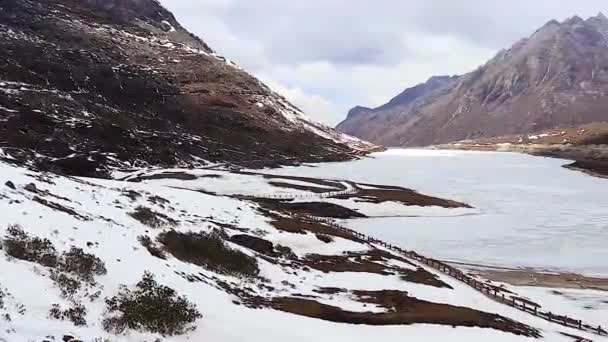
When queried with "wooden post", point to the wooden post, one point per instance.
{"points": [[580, 324], [550, 316], [536, 311], [515, 305]]}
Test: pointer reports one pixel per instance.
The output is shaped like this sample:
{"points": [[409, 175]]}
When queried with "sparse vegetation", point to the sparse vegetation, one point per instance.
{"points": [[151, 247], [152, 218], [68, 285], [69, 271], [209, 251], [76, 313], [83, 265], [325, 238], [150, 307], [2, 295], [19, 245]]}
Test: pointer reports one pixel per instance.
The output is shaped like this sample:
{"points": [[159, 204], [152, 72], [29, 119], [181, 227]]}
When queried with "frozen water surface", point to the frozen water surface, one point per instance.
{"points": [[530, 211]]}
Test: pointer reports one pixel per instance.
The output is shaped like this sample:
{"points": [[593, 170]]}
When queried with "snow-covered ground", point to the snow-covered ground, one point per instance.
{"points": [[100, 224], [529, 210]]}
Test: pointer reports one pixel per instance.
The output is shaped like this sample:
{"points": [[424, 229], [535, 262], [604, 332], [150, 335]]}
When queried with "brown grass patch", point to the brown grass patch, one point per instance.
{"points": [[303, 226], [147, 243], [322, 182], [152, 218], [397, 194], [319, 209], [404, 310], [374, 261], [254, 243], [209, 251], [310, 188]]}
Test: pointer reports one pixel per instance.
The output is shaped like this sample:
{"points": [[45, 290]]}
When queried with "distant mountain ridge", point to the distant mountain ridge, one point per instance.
{"points": [[556, 77]]}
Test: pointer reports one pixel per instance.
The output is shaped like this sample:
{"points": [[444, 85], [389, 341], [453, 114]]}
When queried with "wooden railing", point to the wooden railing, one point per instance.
{"points": [[497, 293]]}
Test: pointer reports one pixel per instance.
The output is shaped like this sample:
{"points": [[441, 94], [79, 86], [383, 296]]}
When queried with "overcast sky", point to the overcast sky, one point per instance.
{"points": [[330, 55]]}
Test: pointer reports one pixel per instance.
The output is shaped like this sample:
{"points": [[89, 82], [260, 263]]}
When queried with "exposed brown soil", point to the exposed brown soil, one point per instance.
{"points": [[209, 251], [323, 182], [374, 261], [254, 243], [319, 209], [587, 145], [404, 310], [592, 167], [313, 189], [576, 338], [402, 195], [61, 208], [302, 226], [540, 279], [164, 175]]}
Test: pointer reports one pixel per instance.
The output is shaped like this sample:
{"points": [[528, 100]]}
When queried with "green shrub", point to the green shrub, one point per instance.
{"points": [[209, 251], [150, 307]]}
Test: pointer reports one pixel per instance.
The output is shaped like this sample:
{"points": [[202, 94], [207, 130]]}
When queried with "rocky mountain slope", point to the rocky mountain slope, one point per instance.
{"points": [[586, 145], [556, 77], [90, 85]]}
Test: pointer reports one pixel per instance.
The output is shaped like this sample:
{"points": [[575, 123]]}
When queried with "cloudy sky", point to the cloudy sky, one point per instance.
{"points": [[330, 55]]}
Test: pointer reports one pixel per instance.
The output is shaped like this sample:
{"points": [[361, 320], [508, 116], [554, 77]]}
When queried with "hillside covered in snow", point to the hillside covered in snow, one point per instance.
{"points": [[212, 254]]}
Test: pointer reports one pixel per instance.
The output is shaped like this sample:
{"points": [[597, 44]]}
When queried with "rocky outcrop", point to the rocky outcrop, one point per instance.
{"points": [[557, 77], [91, 86]]}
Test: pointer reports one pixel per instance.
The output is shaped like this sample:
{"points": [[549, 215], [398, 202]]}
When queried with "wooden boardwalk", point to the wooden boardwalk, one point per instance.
{"points": [[497, 293]]}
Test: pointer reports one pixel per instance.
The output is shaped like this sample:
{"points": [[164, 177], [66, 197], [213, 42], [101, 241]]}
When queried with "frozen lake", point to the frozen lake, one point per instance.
{"points": [[530, 211]]}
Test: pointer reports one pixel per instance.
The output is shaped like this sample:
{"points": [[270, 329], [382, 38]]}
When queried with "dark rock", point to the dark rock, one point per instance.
{"points": [[31, 187], [10, 185]]}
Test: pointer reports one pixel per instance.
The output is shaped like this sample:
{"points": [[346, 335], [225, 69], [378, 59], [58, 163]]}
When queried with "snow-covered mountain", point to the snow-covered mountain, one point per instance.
{"points": [[557, 77], [87, 86]]}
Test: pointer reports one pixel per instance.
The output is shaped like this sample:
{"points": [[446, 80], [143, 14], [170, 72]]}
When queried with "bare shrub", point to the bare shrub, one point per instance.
{"points": [[209, 251], [2, 295], [18, 244], [68, 285], [152, 218], [76, 313], [151, 247], [83, 265], [325, 238], [150, 307]]}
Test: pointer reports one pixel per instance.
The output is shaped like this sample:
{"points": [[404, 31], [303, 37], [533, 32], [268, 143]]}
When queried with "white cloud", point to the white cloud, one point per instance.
{"points": [[329, 55], [315, 106]]}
